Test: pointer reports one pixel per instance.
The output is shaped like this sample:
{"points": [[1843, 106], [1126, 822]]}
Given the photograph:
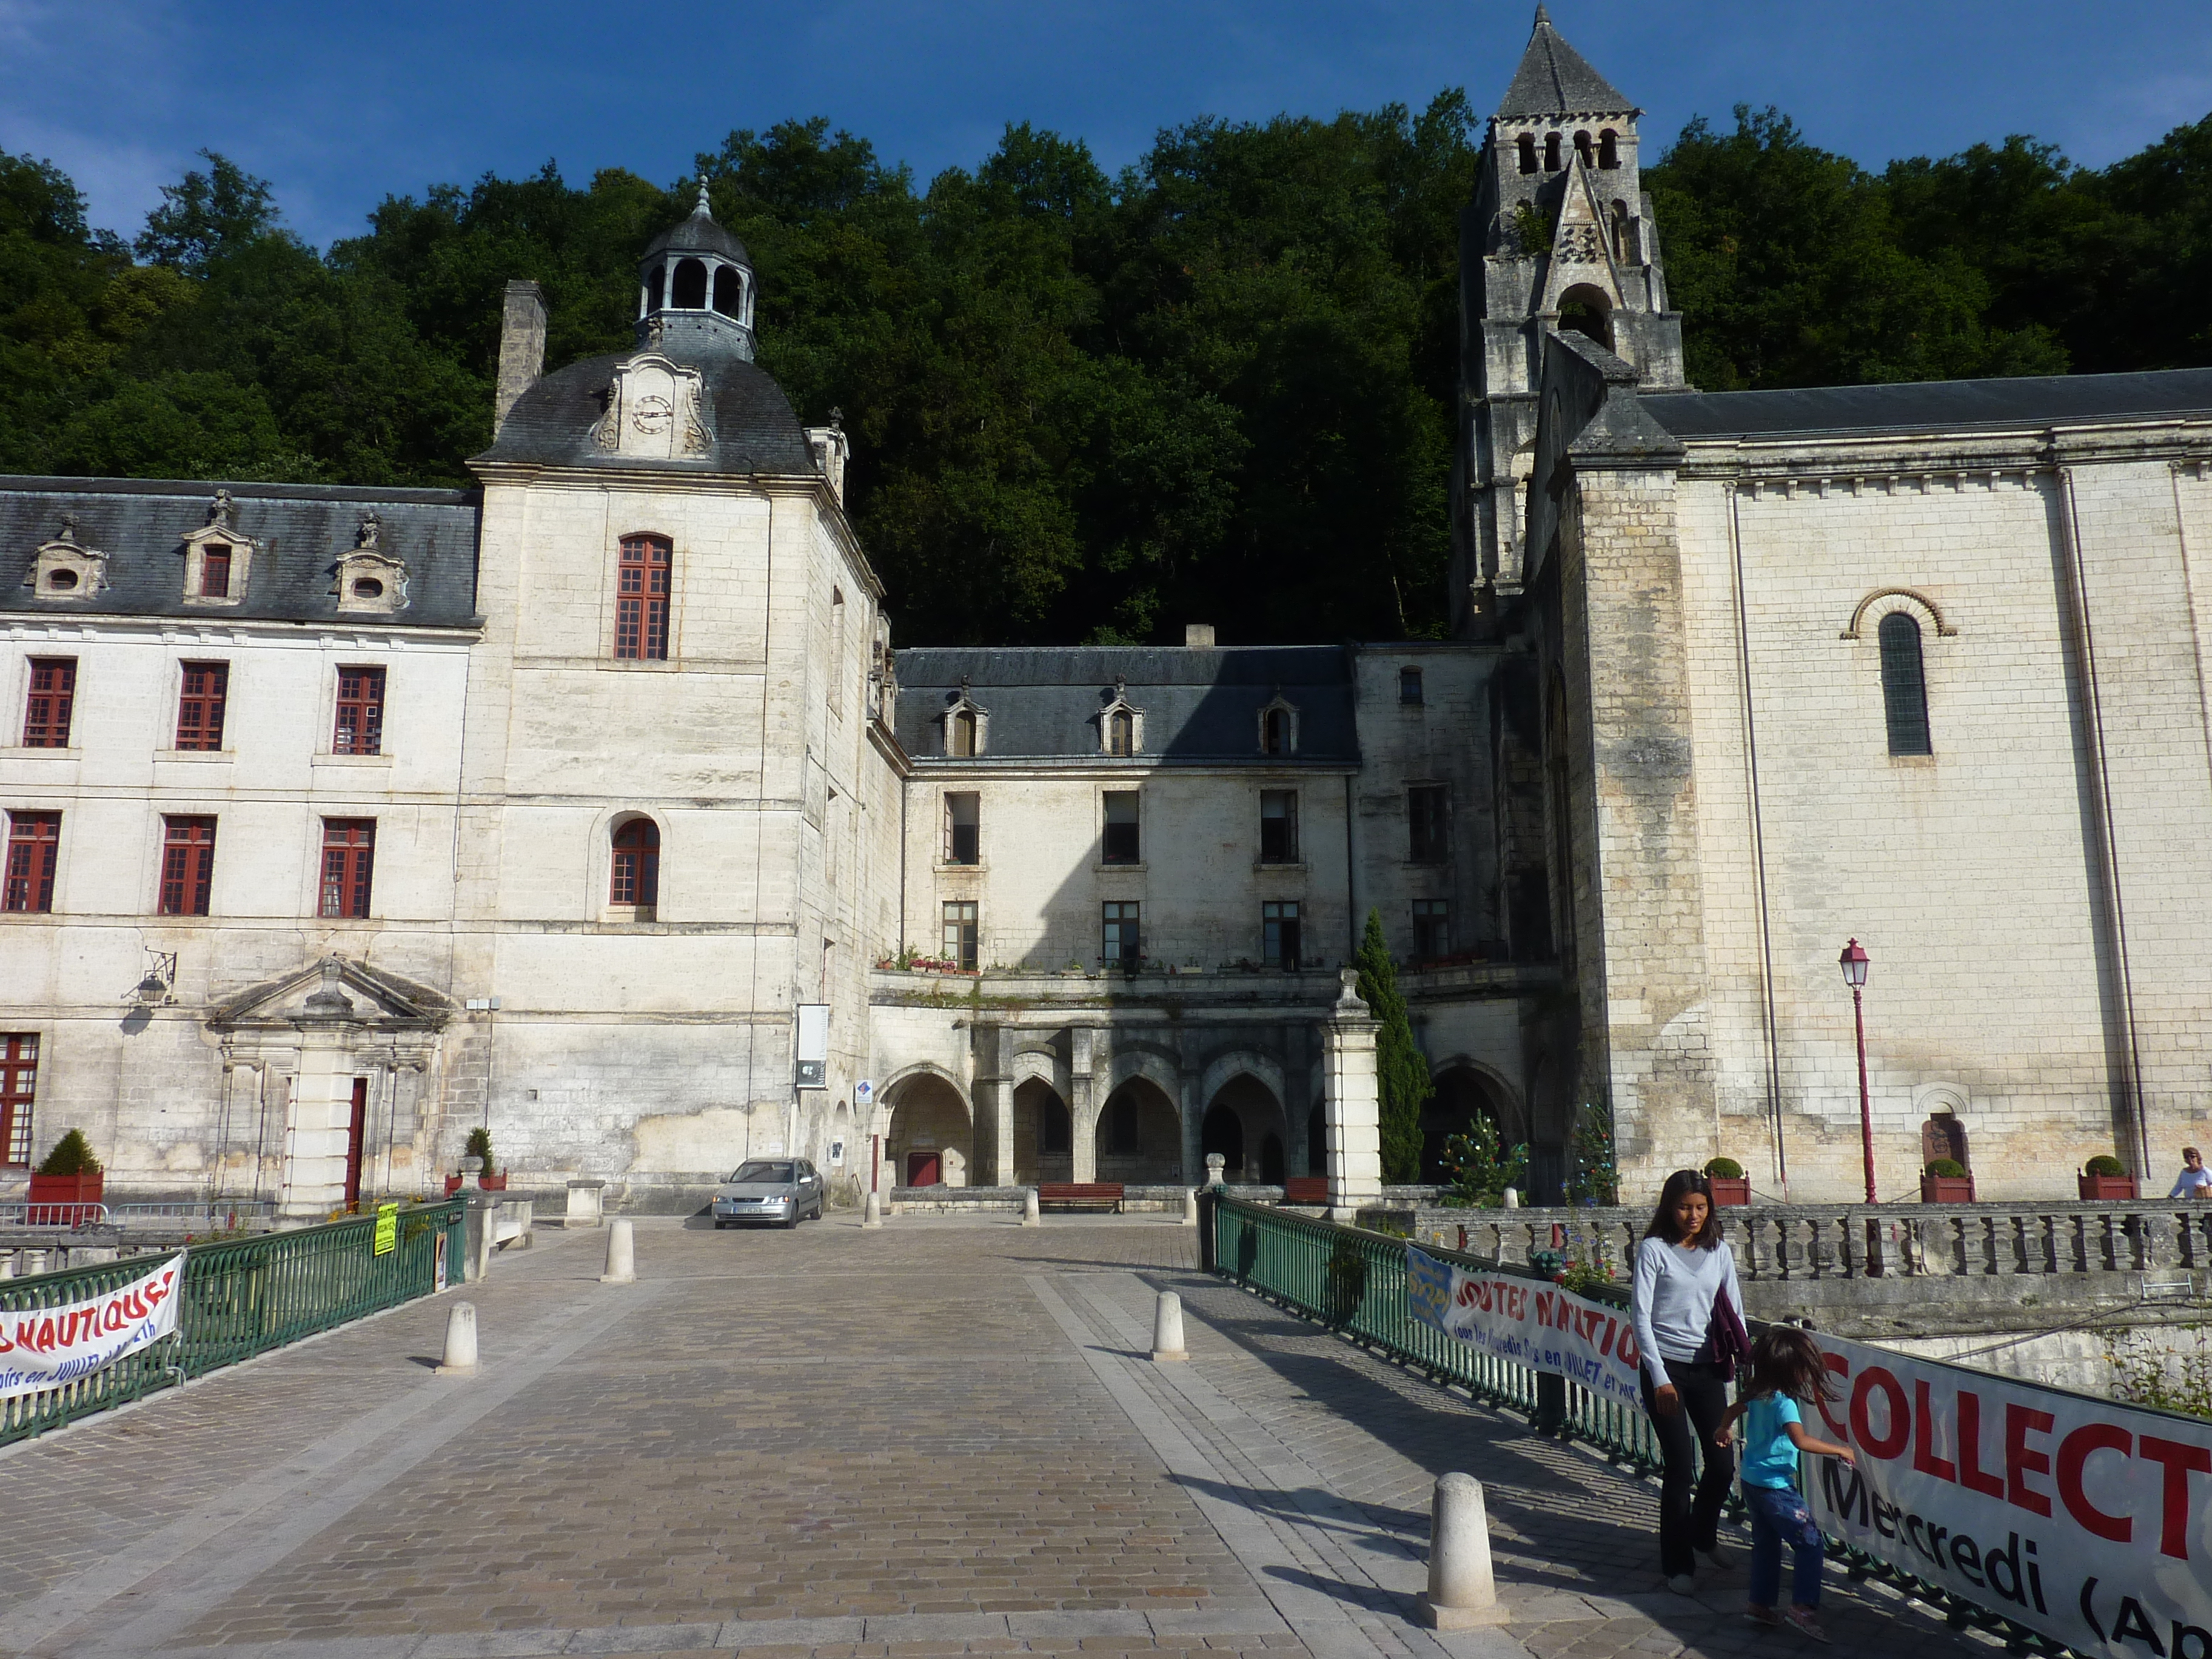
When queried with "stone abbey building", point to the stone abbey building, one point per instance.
{"points": [[342, 821]]}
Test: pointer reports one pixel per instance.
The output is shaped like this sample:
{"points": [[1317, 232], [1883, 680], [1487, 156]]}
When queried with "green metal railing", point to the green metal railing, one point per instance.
{"points": [[241, 1297], [1354, 1281]]}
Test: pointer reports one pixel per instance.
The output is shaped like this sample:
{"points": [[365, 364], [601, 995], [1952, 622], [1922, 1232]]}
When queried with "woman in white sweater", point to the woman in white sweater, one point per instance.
{"points": [[1683, 1269]]}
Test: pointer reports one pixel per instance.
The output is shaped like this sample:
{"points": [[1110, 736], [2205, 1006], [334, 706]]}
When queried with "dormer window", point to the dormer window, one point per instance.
{"points": [[965, 725], [215, 571], [370, 580], [67, 569], [1279, 728], [1121, 724]]}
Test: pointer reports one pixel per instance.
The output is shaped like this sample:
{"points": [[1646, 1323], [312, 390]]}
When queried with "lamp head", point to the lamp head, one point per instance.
{"points": [[1853, 961]]}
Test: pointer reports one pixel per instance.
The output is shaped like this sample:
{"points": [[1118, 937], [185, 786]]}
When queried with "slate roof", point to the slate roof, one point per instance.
{"points": [[1198, 706], [2027, 401], [300, 529], [1554, 79], [698, 234], [755, 430]]}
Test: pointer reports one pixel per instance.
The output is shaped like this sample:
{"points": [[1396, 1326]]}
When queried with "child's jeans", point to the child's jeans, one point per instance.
{"points": [[1778, 1517]]}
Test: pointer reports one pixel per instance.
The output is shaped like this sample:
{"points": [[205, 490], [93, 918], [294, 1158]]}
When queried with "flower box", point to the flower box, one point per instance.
{"points": [[1730, 1189], [1946, 1189], [64, 1200], [2102, 1189], [490, 1183]]}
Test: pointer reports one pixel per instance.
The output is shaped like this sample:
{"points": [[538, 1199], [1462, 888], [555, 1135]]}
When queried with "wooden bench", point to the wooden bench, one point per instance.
{"points": [[1105, 1196], [1306, 1189]]}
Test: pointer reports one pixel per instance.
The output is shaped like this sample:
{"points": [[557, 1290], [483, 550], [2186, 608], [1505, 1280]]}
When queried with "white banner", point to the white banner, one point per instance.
{"points": [[1530, 1322], [42, 1348], [2084, 1519]]}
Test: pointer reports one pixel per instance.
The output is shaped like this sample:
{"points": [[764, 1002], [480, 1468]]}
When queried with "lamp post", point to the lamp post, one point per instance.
{"points": [[1853, 961]]}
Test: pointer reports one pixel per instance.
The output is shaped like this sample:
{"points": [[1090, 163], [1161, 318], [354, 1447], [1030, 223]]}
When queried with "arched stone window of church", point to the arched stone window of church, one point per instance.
{"points": [[656, 291], [1584, 311], [729, 291], [1583, 149], [1552, 160], [635, 879], [688, 291], [1527, 152], [1609, 149], [1904, 685]]}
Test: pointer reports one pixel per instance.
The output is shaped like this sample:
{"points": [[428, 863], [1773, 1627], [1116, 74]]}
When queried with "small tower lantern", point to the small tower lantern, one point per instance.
{"points": [[697, 289]]}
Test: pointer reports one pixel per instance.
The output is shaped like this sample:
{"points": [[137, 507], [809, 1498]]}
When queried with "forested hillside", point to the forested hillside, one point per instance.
{"points": [[1217, 386]]}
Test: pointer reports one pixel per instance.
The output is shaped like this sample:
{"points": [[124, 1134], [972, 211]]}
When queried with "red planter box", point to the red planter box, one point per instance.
{"points": [[490, 1183], [1730, 1189], [64, 1200], [1946, 1189], [2108, 1188]]}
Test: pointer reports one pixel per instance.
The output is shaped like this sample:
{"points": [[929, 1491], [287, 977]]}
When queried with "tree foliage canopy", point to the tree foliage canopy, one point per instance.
{"points": [[1401, 1074], [1219, 384]]}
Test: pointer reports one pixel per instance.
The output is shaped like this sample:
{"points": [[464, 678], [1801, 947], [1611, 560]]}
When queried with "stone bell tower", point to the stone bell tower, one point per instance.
{"points": [[1560, 235]]}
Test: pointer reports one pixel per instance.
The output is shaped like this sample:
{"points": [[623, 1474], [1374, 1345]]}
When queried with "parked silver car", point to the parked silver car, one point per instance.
{"points": [[780, 1190]]}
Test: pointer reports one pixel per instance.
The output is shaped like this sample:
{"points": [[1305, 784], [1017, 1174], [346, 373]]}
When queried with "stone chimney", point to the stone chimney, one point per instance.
{"points": [[1198, 636], [521, 347]]}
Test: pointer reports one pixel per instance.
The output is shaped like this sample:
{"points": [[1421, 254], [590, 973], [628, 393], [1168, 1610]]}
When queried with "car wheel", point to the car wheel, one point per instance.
{"points": [[720, 1222]]}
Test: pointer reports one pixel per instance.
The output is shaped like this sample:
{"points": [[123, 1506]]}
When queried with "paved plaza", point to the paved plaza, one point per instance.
{"points": [[943, 1437]]}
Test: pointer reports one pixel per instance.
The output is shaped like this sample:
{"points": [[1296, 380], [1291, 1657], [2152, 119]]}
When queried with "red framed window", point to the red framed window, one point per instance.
{"points": [[642, 598], [360, 729], [34, 846], [636, 864], [187, 865], [200, 704], [215, 571], [348, 854], [52, 701], [19, 1081]]}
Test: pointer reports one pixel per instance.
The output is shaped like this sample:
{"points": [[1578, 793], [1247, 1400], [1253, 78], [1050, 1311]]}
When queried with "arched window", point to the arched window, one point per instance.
{"points": [[656, 289], [1582, 147], [1275, 732], [642, 598], [960, 735], [688, 291], [729, 291], [1904, 685], [1120, 733], [1584, 311], [1620, 232], [1552, 152], [1609, 149], [1528, 151], [636, 875]]}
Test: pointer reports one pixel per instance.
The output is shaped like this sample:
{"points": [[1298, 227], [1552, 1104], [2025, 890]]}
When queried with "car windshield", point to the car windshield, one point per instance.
{"points": [[759, 1172]]}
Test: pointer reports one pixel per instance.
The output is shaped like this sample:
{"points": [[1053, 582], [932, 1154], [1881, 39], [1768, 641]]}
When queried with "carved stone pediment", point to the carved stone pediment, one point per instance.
{"points": [[218, 556], [66, 568], [657, 411], [370, 584], [335, 990]]}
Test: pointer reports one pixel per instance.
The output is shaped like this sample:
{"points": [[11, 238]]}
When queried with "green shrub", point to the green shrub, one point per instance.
{"points": [[479, 1146], [1726, 1168], [1595, 1178], [1947, 1168], [71, 1156], [2103, 1164]]}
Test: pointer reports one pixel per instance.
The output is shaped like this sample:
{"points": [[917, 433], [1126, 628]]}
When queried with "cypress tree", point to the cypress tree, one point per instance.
{"points": [[1402, 1073]]}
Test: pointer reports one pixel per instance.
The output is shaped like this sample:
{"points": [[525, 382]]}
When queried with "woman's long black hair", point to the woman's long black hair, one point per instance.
{"points": [[1663, 1218]]}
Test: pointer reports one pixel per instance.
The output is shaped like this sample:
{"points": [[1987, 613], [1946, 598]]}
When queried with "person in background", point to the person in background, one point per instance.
{"points": [[1786, 1370], [1684, 1277], [2195, 1180]]}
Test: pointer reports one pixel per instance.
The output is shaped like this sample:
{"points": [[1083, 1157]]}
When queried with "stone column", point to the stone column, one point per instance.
{"points": [[1193, 1110], [1081, 1122], [995, 1102], [317, 1124], [1355, 1104]]}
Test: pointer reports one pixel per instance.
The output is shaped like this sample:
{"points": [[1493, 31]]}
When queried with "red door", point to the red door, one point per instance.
{"points": [[356, 1139], [922, 1169]]}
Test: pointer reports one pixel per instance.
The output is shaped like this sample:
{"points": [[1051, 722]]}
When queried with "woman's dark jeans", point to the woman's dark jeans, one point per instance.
{"points": [[1690, 1504]]}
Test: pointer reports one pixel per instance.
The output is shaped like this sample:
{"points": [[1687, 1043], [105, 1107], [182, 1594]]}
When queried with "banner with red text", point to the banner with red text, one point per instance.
{"points": [[45, 1347], [2082, 1518], [1530, 1322]]}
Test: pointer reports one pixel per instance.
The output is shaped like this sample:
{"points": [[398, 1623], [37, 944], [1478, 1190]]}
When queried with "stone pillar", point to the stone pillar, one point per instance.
{"points": [[1193, 1110], [317, 1122], [1082, 1120], [1355, 1104], [994, 1102], [1297, 1099]]}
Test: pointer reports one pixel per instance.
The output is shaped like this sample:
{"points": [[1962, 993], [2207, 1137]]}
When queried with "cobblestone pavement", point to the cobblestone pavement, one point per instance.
{"points": [[942, 1437]]}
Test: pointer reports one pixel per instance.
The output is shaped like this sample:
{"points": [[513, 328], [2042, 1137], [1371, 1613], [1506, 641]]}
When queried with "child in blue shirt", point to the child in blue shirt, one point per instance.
{"points": [[1786, 1367]]}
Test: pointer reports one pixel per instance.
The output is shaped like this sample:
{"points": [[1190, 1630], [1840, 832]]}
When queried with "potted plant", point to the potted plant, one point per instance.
{"points": [[70, 1175], [478, 1145], [1946, 1180], [2104, 1177], [1730, 1185]]}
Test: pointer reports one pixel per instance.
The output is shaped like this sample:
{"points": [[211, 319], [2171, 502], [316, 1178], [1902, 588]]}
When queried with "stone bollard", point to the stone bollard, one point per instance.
{"points": [[1216, 1166], [1190, 1207], [1512, 1199], [460, 1359], [1167, 1330], [872, 1213], [1030, 1216], [621, 1256], [1461, 1594]]}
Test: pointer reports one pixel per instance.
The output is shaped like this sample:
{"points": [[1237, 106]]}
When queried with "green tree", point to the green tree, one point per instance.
{"points": [[207, 217], [1402, 1074]]}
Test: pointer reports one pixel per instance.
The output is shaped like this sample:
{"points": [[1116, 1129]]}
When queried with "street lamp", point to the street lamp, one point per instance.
{"points": [[1853, 961]]}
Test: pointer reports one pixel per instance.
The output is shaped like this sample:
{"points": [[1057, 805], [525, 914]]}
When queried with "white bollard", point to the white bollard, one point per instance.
{"points": [[621, 1256], [1030, 1216], [1167, 1329], [1190, 1207], [1512, 1199], [460, 1357], [1461, 1594], [872, 1213]]}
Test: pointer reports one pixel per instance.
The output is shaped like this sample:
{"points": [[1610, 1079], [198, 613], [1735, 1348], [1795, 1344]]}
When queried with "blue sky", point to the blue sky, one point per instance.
{"points": [[339, 104]]}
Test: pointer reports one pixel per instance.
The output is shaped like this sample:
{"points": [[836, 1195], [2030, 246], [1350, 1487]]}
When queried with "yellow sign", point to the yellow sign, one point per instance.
{"points": [[387, 1229]]}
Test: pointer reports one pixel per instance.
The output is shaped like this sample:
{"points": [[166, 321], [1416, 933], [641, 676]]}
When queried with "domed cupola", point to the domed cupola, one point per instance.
{"points": [[697, 289]]}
